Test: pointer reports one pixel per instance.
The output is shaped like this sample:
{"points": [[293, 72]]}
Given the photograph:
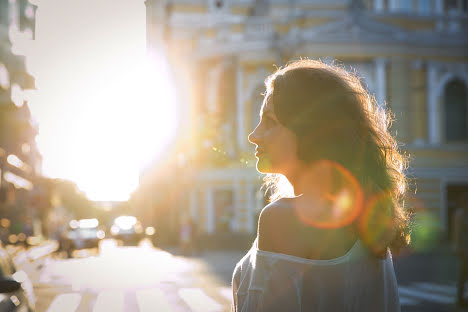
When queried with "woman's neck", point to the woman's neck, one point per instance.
{"points": [[312, 180]]}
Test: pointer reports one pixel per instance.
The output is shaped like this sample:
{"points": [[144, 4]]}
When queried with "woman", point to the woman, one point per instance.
{"points": [[337, 208]]}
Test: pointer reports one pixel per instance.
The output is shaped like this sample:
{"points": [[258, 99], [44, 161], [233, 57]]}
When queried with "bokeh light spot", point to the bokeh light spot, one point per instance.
{"points": [[340, 204], [426, 232], [376, 224]]}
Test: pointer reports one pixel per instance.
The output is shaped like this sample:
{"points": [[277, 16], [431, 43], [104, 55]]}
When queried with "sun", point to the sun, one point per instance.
{"points": [[104, 107]]}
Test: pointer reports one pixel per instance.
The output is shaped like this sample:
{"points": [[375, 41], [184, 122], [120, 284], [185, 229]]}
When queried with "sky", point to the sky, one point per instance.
{"points": [[99, 118]]}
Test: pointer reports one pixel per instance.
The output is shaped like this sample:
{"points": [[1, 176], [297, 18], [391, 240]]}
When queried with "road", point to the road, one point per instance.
{"points": [[145, 278], [139, 278]]}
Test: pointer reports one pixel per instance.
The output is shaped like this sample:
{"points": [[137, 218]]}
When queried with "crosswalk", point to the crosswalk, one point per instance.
{"points": [[424, 292], [197, 299], [144, 300]]}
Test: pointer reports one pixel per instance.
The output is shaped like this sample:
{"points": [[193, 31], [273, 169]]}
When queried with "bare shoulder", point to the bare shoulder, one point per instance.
{"points": [[273, 223], [281, 231], [275, 211]]}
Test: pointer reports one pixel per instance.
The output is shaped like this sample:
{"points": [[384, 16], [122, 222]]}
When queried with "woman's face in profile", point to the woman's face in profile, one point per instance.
{"points": [[276, 145]]}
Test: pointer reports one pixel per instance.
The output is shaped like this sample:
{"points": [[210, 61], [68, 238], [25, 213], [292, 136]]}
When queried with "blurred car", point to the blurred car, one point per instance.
{"points": [[84, 233], [16, 290], [127, 229]]}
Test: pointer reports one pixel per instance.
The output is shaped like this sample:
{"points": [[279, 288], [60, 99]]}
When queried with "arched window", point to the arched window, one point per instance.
{"points": [[456, 111]]}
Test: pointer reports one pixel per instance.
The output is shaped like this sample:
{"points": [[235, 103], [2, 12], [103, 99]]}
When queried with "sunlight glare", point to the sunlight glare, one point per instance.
{"points": [[104, 108]]}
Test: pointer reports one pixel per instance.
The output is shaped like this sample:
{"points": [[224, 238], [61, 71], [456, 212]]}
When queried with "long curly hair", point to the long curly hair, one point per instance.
{"points": [[335, 118]]}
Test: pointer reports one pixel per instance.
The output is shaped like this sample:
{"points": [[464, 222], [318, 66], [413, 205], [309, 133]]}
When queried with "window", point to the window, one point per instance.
{"points": [[456, 5], [456, 112], [456, 194]]}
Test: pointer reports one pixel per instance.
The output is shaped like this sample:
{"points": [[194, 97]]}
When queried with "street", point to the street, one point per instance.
{"points": [[145, 278], [140, 278]]}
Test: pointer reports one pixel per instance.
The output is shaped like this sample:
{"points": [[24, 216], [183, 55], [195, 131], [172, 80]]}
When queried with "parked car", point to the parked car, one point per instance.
{"points": [[16, 290], [127, 229], [84, 233]]}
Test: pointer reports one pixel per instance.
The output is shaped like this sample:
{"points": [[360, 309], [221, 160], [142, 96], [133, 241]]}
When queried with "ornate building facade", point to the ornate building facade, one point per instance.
{"points": [[411, 54]]}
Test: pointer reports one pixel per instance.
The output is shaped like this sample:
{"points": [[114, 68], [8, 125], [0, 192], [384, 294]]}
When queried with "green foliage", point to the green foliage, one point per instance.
{"points": [[426, 232]]}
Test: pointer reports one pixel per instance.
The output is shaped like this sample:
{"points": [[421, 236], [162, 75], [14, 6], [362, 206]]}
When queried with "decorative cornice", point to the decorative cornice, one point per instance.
{"points": [[353, 31]]}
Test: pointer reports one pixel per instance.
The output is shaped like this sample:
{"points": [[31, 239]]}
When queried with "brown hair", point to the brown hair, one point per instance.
{"points": [[335, 118]]}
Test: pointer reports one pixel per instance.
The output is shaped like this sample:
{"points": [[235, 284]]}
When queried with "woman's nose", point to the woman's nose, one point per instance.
{"points": [[254, 136]]}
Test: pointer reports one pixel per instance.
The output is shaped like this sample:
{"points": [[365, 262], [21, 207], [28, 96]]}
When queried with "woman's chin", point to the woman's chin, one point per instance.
{"points": [[264, 166]]}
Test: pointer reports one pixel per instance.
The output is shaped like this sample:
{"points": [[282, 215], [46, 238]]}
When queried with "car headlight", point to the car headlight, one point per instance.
{"points": [[115, 230], [100, 234]]}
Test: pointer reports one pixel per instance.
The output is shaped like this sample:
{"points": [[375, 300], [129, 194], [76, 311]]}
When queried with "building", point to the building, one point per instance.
{"points": [[412, 55]]}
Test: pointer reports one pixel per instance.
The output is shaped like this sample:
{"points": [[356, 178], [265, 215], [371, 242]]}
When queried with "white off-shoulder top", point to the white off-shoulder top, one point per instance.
{"points": [[356, 281]]}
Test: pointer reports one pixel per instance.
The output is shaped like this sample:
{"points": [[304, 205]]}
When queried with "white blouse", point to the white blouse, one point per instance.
{"points": [[356, 281]]}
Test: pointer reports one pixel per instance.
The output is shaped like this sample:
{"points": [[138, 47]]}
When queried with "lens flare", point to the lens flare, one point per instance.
{"points": [[341, 202], [376, 222]]}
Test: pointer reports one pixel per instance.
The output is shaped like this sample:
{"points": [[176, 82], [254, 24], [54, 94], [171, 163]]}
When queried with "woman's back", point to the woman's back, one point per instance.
{"points": [[293, 266], [280, 230]]}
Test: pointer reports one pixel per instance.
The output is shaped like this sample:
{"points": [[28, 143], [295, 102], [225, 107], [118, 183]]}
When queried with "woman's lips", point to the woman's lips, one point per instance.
{"points": [[258, 152]]}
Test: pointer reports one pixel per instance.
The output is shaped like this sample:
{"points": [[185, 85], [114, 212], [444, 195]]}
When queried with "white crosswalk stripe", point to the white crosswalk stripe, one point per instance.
{"points": [[65, 303], [109, 300], [419, 292], [198, 301], [404, 301], [449, 290], [152, 300], [146, 300], [226, 292]]}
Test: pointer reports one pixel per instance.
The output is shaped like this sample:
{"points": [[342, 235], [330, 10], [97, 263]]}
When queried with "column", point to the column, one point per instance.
{"points": [[439, 6], [14, 14], [418, 101], [433, 118], [210, 214], [381, 77], [378, 5], [400, 84], [393, 5], [240, 105]]}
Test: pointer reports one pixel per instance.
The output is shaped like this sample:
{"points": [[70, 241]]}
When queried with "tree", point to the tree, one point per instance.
{"points": [[73, 200]]}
